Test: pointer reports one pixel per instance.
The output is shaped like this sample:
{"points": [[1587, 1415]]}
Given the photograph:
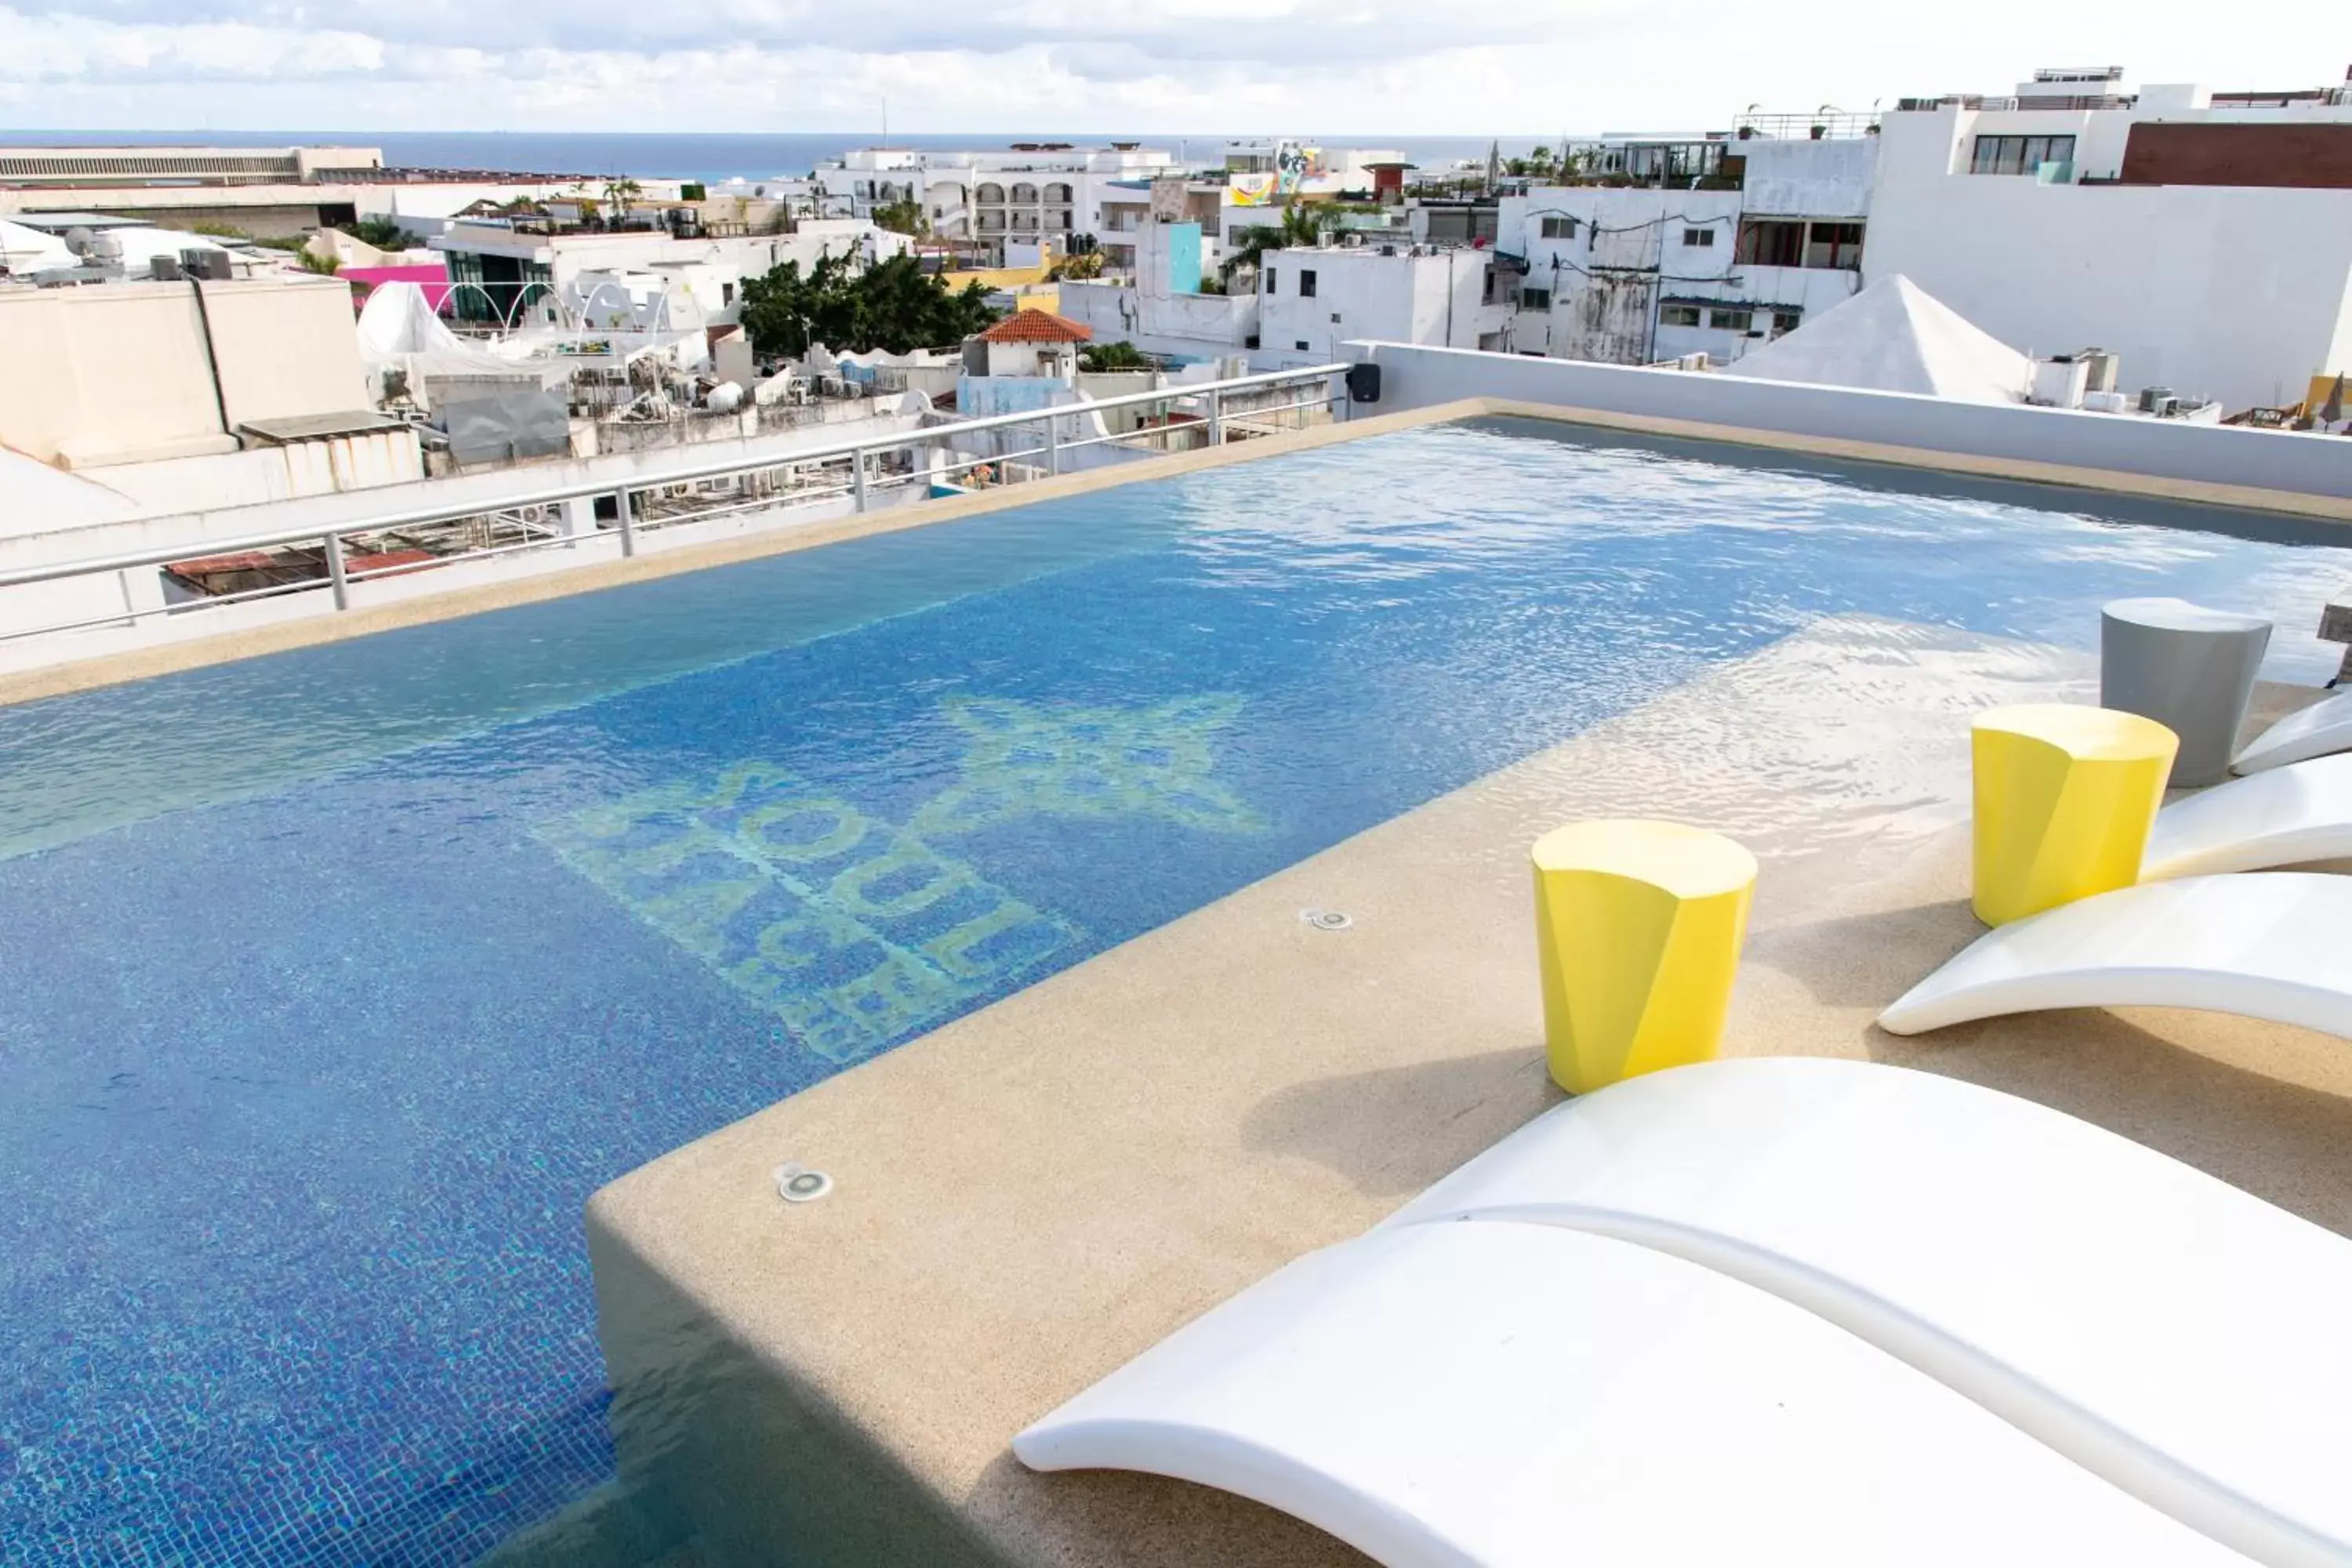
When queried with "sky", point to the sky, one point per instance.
{"points": [[1400, 67]]}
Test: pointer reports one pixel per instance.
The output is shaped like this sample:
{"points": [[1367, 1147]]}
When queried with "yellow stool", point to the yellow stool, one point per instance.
{"points": [[1638, 927], [2065, 799]]}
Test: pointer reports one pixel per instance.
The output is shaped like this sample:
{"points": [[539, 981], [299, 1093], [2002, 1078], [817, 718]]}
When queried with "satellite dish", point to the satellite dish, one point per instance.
{"points": [[78, 240]]}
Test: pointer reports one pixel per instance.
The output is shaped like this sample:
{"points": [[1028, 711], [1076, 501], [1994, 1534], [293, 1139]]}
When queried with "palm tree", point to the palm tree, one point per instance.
{"points": [[618, 190], [1303, 224]]}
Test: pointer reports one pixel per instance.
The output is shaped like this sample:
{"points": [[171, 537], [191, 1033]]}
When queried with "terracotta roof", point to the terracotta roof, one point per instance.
{"points": [[1036, 327]]}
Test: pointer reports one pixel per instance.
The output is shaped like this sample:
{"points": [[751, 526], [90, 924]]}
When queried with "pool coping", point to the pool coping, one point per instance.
{"points": [[116, 668], [1039, 1190]]}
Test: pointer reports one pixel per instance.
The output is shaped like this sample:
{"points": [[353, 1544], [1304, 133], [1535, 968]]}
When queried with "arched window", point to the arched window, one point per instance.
{"points": [[1025, 194], [989, 194]]}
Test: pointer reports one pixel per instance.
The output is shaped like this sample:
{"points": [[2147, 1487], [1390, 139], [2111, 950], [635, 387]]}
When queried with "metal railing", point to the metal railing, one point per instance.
{"points": [[1826, 125], [682, 492]]}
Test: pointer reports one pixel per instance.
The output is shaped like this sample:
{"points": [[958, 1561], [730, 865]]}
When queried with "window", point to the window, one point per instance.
{"points": [[2019, 154], [1724, 320], [1558, 228], [1306, 282], [1678, 315], [1302, 345], [1837, 245], [726, 293], [1786, 321], [1532, 298], [1270, 281], [1771, 242], [1487, 287], [1698, 236]]}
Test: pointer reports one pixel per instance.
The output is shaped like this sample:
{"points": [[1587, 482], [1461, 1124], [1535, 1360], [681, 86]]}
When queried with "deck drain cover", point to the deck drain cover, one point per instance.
{"points": [[798, 1184], [1326, 919]]}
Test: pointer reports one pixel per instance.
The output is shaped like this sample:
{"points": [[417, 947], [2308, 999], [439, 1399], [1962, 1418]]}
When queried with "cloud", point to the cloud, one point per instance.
{"points": [[1367, 66]]}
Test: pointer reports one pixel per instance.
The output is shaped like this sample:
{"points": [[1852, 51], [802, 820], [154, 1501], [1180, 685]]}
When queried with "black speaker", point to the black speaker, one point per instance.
{"points": [[1364, 382]]}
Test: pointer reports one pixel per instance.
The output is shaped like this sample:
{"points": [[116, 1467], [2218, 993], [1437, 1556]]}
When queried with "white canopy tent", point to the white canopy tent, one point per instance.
{"points": [[1895, 336]]}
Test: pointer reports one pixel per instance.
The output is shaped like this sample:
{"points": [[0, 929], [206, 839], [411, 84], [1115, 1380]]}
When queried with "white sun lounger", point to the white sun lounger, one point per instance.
{"points": [[2268, 945], [1467, 1392], [2164, 1330], [2283, 816], [1496, 1395], [2315, 731]]}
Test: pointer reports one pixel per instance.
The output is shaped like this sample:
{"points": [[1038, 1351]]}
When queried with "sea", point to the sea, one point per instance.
{"points": [[713, 157]]}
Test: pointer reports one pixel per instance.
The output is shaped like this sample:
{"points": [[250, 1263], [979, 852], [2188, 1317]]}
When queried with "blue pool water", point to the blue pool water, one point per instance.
{"points": [[332, 983]]}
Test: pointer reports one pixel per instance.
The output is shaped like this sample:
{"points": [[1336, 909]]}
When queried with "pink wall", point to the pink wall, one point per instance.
{"points": [[433, 279]]}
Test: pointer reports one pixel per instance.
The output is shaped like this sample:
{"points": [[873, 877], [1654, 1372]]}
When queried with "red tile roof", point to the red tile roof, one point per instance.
{"points": [[1036, 327]]}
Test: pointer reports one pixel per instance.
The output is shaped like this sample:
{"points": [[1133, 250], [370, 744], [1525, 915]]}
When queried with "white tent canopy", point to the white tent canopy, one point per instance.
{"points": [[25, 249], [1895, 336], [399, 331]]}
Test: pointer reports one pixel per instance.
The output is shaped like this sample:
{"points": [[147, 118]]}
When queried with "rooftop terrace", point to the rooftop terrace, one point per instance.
{"points": [[1113, 885]]}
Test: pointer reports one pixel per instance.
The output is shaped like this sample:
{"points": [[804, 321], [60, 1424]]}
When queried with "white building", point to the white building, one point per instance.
{"points": [[1635, 274], [509, 274], [1162, 310], [269, 190], [1035, 193], [2205, 239], [1311, 300]]}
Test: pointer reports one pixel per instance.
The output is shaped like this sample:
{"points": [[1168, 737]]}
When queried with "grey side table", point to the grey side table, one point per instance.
{"points": [[2188, 668]]}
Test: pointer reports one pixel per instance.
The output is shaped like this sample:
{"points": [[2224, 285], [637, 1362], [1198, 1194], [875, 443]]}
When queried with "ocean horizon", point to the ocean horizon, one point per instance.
{"points": [[704, 156]]}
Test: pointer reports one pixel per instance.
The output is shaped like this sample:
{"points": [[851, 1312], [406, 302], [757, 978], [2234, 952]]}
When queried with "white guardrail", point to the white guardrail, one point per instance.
{"points": [[775, 481]]}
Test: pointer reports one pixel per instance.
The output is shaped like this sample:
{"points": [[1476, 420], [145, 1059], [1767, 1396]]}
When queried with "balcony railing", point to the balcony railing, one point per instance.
{"points": [[1829, 125], [325, 560]]}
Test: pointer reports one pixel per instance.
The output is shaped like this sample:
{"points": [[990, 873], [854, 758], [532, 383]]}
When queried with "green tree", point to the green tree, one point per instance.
{"points": [[382, 233], [310, 261], [1078, 269], [1122, 355], [894, 305], [1302, 223], [618, 190], [902, 217]]}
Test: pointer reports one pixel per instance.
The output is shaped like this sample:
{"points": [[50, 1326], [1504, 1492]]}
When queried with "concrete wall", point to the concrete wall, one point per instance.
{"points": [[1628, 255], [266, 474], [122, 373], [2317, 465], [1205, 326], [117, 372], [1829, 179], [2234, 294], [1438, 297], [286, 348]]}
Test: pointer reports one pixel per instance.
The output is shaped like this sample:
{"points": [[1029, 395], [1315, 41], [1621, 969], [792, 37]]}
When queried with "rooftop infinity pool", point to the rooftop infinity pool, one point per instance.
{"points": [[332, 982]]}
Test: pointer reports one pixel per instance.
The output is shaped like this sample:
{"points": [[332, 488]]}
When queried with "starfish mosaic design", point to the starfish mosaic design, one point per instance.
{"points": [[1156, 762]]}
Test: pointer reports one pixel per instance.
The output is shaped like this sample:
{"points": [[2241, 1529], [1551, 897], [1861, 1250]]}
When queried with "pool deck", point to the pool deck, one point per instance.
{"points": [[1032, 1194], [71, 674]]}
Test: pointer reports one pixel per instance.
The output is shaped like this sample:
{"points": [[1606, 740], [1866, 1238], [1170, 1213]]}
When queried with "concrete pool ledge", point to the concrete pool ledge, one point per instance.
{"points": [[82, 673], [1030, 1195]]}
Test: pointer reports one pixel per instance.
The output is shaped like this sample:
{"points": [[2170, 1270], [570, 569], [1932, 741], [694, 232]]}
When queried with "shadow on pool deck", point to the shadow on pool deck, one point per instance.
{"points": [[1031, 1196]]}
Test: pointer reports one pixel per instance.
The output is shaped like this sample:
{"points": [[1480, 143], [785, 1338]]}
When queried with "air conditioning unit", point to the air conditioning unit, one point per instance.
{"points": [[165, 268], [207, 263]]}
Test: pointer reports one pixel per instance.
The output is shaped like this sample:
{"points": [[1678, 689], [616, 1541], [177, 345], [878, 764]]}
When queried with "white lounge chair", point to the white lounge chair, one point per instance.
{"points": [[2178, 1337], [2269, 945], [1520, 1396], [2315, 731], [1471, 1390], [2283, 816]]}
